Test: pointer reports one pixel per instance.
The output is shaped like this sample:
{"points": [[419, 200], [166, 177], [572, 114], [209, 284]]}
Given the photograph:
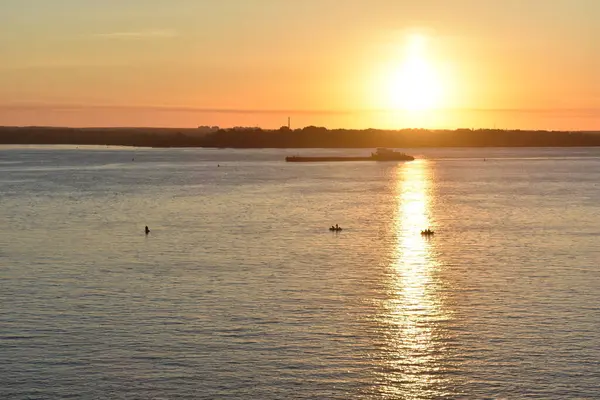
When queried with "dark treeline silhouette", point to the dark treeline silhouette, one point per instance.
{"points": [[140, 137], [311, 136]]}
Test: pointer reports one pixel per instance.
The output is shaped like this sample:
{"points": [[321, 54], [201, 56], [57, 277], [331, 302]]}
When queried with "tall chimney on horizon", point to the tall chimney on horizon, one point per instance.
{"points": [[289, 123]]}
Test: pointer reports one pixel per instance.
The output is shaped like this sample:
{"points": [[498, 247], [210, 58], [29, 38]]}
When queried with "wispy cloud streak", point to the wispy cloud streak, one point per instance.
{"points": [[581, 112], [136, 35]]}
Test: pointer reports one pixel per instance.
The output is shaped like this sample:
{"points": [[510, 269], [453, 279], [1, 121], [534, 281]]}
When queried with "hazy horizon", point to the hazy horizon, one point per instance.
{"points": [[365, 64]]}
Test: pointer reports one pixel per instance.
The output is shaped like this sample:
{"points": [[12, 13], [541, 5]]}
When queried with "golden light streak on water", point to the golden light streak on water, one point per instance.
{"points": [[414, 304]]}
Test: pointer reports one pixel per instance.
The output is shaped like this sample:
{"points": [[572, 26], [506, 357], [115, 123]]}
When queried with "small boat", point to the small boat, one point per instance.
{"points": [[427, 232], [335, 228]]}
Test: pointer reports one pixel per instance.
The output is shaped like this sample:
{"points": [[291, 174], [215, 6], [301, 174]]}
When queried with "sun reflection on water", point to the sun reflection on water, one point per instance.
{"points": [[414, 306]]}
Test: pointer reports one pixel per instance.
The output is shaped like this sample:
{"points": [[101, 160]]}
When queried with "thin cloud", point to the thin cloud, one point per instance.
{"points": [[136, 35], [578, 112], [65, 63], [63, 107]]}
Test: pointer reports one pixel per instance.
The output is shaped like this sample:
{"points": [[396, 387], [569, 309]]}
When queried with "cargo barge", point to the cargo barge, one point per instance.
{"points": [[381, 154]]}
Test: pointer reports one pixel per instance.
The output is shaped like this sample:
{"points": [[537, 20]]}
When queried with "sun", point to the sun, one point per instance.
{"points": [[414, 84]]}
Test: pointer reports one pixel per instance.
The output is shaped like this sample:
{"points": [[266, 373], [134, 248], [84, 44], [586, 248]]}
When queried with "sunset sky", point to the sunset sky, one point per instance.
{"points": [[352, 63]]}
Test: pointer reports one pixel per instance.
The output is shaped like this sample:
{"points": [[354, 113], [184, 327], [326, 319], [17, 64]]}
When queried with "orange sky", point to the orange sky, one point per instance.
{"points": [[355, 64]]}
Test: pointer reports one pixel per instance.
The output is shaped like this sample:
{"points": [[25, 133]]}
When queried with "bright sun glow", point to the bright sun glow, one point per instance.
{"points": [[414, 85]]}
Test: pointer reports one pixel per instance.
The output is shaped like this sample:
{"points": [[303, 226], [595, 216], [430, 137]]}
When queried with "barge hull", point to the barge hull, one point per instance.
{"points": [[340, 159], [333, 159]]}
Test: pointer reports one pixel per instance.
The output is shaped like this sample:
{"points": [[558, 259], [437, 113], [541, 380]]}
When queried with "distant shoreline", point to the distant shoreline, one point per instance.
{"points": [[285, 138]]}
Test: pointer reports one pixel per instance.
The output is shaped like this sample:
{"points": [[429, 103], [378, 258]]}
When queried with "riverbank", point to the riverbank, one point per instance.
{"points": [[309, 137]]}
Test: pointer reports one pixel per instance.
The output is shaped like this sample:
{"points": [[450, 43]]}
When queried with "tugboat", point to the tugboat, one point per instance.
{"points": [[381, 154], [384, 154]]}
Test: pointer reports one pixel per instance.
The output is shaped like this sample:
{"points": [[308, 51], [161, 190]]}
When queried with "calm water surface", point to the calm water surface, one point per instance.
{"points": [[241, 292]]}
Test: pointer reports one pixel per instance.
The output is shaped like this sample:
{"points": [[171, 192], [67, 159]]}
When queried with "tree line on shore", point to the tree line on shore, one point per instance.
{"points": [[311, 136]]}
